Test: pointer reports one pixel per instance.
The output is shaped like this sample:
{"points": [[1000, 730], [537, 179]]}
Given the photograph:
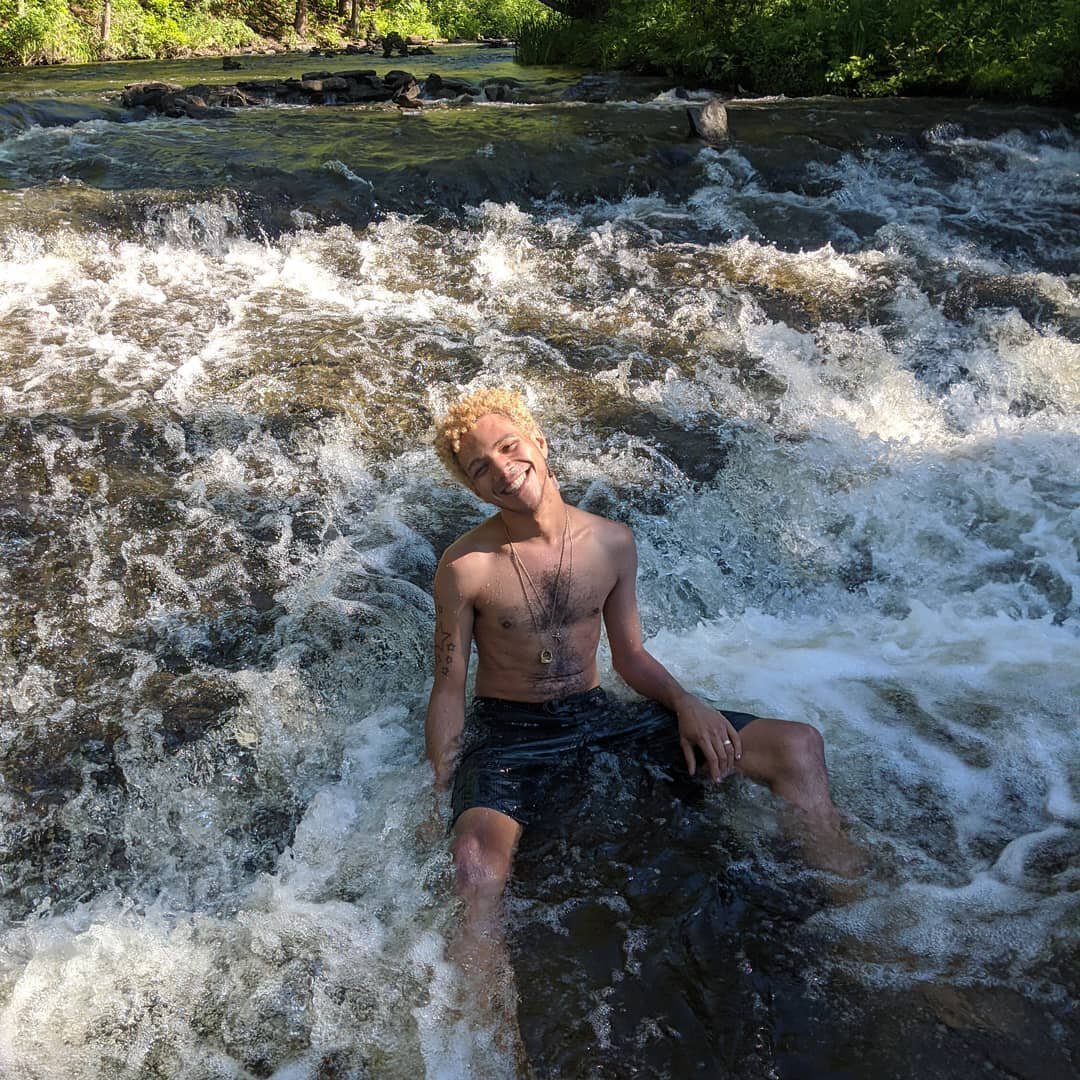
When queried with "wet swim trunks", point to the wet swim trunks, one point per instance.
{"points": [[516, 752]]}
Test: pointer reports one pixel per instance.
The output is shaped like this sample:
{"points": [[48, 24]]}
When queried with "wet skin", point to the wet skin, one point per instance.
{"points": [[480, 596]]}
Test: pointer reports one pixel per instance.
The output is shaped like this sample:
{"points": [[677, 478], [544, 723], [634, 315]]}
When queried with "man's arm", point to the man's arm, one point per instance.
{"points": [[699, 724], [453, 639]]}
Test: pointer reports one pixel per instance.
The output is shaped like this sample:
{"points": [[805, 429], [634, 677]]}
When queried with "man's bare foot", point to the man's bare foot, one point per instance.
{"points": [[489, 989]]}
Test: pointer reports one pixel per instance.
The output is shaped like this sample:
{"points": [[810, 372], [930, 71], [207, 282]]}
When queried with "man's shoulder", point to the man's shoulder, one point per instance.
{"points": [[613, 534], [478, 545]]}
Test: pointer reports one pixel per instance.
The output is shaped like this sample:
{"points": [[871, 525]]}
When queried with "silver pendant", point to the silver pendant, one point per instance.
{"points": [[545, 656]]}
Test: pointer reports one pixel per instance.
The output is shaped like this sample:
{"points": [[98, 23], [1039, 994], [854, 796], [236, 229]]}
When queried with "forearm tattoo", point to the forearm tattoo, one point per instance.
{"points": [[444, 644]]}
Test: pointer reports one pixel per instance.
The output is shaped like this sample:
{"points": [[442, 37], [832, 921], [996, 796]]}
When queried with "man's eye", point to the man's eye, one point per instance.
{"points": [[479, 471]]}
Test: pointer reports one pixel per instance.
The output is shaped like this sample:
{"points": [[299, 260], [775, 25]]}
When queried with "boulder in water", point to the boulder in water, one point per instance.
{"points": [[437, 86], [147, 94], [230, 64], [710, 122], [196, 102], [332, 83]]}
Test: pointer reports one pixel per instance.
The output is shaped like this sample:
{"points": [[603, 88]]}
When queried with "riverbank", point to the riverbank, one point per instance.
{"points": [[36, 32], [864, 48]]}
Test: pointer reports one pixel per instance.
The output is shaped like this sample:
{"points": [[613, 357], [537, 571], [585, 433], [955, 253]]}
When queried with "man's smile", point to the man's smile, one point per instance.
{"points": [[515, 485]]}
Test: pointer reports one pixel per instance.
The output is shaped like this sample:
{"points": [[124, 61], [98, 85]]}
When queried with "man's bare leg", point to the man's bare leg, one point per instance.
{"points": [[483, 850], [790, 758]]}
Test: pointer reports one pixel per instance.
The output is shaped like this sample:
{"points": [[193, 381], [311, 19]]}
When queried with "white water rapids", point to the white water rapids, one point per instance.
{"points": [[852, 470]]}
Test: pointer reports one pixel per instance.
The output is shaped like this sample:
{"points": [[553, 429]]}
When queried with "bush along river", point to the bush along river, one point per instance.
{"points": [[829, 371]]}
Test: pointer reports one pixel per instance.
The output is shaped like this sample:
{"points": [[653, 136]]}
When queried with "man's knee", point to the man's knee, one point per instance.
{"points": [[479, 870], [803, 748]]}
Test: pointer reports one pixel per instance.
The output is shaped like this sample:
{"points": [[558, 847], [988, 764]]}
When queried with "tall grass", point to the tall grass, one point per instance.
{"points": [[544, 38]]}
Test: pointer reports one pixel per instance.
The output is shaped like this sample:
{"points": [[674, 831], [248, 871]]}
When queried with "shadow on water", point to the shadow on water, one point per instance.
{"points": [[649, 939]]}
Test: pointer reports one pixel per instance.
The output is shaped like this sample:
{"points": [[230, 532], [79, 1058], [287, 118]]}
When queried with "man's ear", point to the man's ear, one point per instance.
{"points": [[542, 443]]}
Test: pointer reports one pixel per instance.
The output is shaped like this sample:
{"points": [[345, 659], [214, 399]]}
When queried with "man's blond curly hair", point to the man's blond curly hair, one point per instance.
{"points": [[463, 414]]}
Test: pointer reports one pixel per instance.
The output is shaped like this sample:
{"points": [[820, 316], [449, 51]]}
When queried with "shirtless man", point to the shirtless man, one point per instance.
{"points": [[530, 586]]}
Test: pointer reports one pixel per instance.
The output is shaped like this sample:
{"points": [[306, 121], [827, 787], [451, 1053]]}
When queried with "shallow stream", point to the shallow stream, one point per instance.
{"points": [[830, 374]]}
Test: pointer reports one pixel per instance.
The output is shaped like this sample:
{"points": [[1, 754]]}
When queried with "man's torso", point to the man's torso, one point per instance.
{"points": [[520, 613]]}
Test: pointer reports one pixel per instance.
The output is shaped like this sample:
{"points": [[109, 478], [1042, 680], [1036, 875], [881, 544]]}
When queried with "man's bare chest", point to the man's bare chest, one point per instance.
{"points": [[514, 603]]}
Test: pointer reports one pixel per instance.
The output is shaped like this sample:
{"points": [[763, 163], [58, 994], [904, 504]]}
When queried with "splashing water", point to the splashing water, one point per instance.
{"points": [[834, 388]]}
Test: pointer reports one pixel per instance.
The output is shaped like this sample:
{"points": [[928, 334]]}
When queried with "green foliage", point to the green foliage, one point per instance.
{"points": [[52, 31], [470, 19], [169, 28], [405, 17], [545, 38], [1014, 48], [43, 32]]}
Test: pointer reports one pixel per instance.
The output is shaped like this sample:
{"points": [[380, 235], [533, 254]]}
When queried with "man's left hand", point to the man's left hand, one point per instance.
{"points": [[710, 731]]}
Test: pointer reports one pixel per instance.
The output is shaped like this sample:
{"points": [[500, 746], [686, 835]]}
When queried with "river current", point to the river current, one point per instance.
{"points": [[829, 372]]}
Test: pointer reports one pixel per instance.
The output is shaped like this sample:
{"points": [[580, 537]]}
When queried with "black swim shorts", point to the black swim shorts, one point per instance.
{"points": [[515, 752]]}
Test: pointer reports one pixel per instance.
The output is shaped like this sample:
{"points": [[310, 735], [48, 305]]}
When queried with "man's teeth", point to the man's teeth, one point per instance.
{"points": [[513, 488]]}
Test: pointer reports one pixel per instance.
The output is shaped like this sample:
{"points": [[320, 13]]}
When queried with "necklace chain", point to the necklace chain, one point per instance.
{"points": [[546, 655]]}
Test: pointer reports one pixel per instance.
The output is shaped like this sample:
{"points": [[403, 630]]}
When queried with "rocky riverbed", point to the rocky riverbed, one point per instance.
{"points": [[344, 87]]}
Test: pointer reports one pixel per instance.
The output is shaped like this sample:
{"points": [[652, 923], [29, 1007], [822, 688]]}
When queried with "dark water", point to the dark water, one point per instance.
{"points": [[829, 373]]}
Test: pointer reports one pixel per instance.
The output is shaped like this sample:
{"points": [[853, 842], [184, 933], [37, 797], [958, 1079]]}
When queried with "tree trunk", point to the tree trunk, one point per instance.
{"points": [[354, 19], [300, 22], [106, 21], [342, 7]]}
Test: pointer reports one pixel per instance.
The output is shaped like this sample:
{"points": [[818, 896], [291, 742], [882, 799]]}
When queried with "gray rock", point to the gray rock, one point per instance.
{"points": [[266, 89], [437, 86], [709, 122], [322, 86], [147, 94], [366, 90], [398, 78]]}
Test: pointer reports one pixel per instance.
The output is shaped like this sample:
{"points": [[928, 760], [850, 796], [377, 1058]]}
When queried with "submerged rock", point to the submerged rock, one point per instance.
{"points": [[594, 89]]}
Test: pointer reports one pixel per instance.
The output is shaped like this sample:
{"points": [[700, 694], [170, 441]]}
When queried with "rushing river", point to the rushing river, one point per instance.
{"points": [[830, 374]]}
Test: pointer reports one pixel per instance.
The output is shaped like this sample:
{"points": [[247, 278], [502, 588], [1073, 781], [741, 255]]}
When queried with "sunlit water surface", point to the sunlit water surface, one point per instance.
{"points": [[829, 373]]}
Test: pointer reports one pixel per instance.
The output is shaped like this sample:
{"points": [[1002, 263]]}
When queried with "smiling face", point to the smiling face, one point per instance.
{"points": [[506, 466]]}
